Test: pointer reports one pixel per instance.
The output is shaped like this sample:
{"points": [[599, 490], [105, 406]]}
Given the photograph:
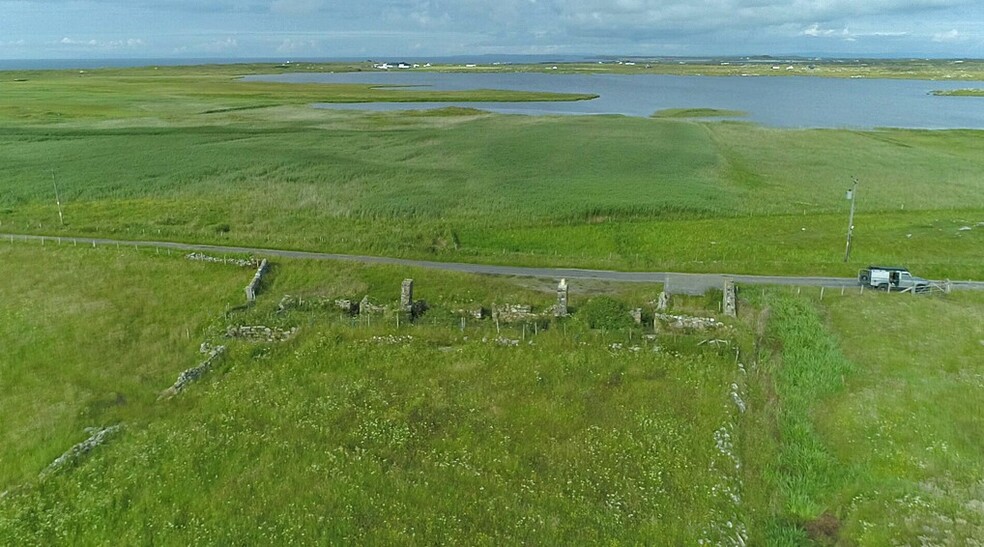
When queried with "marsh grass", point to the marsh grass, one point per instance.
{"points": [[592, 191]]}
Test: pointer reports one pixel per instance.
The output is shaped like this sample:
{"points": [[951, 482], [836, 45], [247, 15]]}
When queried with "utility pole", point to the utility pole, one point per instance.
{"points": [[852, 195], [57, 198]]}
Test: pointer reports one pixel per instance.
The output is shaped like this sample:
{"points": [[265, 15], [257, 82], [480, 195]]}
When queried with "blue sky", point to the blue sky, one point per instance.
{"points": [[38, 29]]}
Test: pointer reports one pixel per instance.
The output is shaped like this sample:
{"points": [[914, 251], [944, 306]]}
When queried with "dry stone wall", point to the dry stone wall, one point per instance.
{"points": [[241, 262], [97, 436], [193, 374], [254, 285], [260, 333]]}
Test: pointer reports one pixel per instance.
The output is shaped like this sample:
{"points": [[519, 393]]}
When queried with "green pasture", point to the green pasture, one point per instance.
{"points": [[859, 423], [459, 185], [355, 430]]}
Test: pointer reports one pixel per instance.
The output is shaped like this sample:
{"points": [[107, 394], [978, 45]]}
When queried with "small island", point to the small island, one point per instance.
{"points": [[958, 92], [698, 113]]}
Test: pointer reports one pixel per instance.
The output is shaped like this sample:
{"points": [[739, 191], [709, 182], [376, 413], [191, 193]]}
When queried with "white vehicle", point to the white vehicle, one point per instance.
{"points": [[889, 278]]}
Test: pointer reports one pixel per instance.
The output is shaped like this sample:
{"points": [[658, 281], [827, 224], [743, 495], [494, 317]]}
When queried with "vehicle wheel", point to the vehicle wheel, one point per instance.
{"points": [[865, 279], [883, 287]]}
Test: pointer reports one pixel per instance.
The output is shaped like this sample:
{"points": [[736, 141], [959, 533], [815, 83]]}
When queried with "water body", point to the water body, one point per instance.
{"points": [[786, 101]]}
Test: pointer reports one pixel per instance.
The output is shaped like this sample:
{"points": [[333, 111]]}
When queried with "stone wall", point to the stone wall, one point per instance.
{"points": [[254, 285], [193, 374], [97, 436], [241, 262], [260, 333]]}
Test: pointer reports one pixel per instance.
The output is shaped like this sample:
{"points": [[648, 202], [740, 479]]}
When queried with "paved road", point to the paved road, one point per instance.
{"points": [[687, 283]]}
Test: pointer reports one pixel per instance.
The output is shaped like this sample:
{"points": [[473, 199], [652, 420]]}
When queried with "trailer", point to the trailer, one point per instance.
{"points": [[891, 278]]}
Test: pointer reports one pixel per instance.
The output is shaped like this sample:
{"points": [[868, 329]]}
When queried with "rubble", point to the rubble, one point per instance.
{"points": [[686, 322]]}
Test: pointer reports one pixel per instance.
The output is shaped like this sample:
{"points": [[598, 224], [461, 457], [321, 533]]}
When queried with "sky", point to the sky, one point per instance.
{"points": [[409, 29]]}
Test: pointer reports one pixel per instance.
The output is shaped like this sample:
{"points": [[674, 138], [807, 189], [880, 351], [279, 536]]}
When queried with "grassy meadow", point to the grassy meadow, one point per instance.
{"points": [[850, 419], [200, 157], [857, 425], [355, 430]]}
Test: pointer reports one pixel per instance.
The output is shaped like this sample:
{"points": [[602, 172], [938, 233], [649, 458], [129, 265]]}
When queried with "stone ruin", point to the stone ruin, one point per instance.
{"points": [[730, 299], [663, 302], [97, 436], [241, 262], [254, 285], [213, 353], [685, 322], [473, 312], [406, 295], [260, 333], [512, 313], [636, 314], [367, 307], [560, 310]]}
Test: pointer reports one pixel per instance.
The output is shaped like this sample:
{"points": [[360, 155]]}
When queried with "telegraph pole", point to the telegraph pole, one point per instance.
{"points": [[57, 198], [852, 195]]}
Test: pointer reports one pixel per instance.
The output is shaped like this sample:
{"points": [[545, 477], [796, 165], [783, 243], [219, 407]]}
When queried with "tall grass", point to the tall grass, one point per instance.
{"points": [[365, 433], [807, 369], [597, 192]]}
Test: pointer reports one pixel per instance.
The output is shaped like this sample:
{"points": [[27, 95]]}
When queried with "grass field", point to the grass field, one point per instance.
{"points": [[363, 431], [356, 431], [589, 191], [848, 419]]}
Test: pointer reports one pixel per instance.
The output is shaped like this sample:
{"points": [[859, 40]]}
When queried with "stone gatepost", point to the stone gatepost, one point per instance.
{"points": [[730, 301], [560, 310], [664, 302], [406, 295]]}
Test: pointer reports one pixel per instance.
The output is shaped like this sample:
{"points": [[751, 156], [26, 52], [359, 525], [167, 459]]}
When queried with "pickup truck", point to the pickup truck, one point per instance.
{"points": [[889, 278]]}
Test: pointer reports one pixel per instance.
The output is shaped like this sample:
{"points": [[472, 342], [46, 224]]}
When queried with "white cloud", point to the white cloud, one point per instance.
{"points": [[948, 36], [441, 27]]}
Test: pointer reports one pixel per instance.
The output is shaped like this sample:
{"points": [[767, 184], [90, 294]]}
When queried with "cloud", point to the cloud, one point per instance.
{"points": [[948, 36], [92, 43], [441, 27], [815, 31]]}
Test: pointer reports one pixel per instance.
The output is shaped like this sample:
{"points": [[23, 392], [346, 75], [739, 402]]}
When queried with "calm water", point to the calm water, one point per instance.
{"points": [[775, 101]]}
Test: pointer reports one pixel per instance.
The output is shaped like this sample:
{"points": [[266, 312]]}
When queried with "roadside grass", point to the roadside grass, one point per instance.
{"points": [[859, 425], [362, 432]]}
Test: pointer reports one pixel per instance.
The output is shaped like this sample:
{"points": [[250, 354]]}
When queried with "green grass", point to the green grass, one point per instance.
{"points": [[347, 434], [959, 93], [874, 405], [698, 113], [860, 422], [908, 418], [592, 191], [87, 337]]}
